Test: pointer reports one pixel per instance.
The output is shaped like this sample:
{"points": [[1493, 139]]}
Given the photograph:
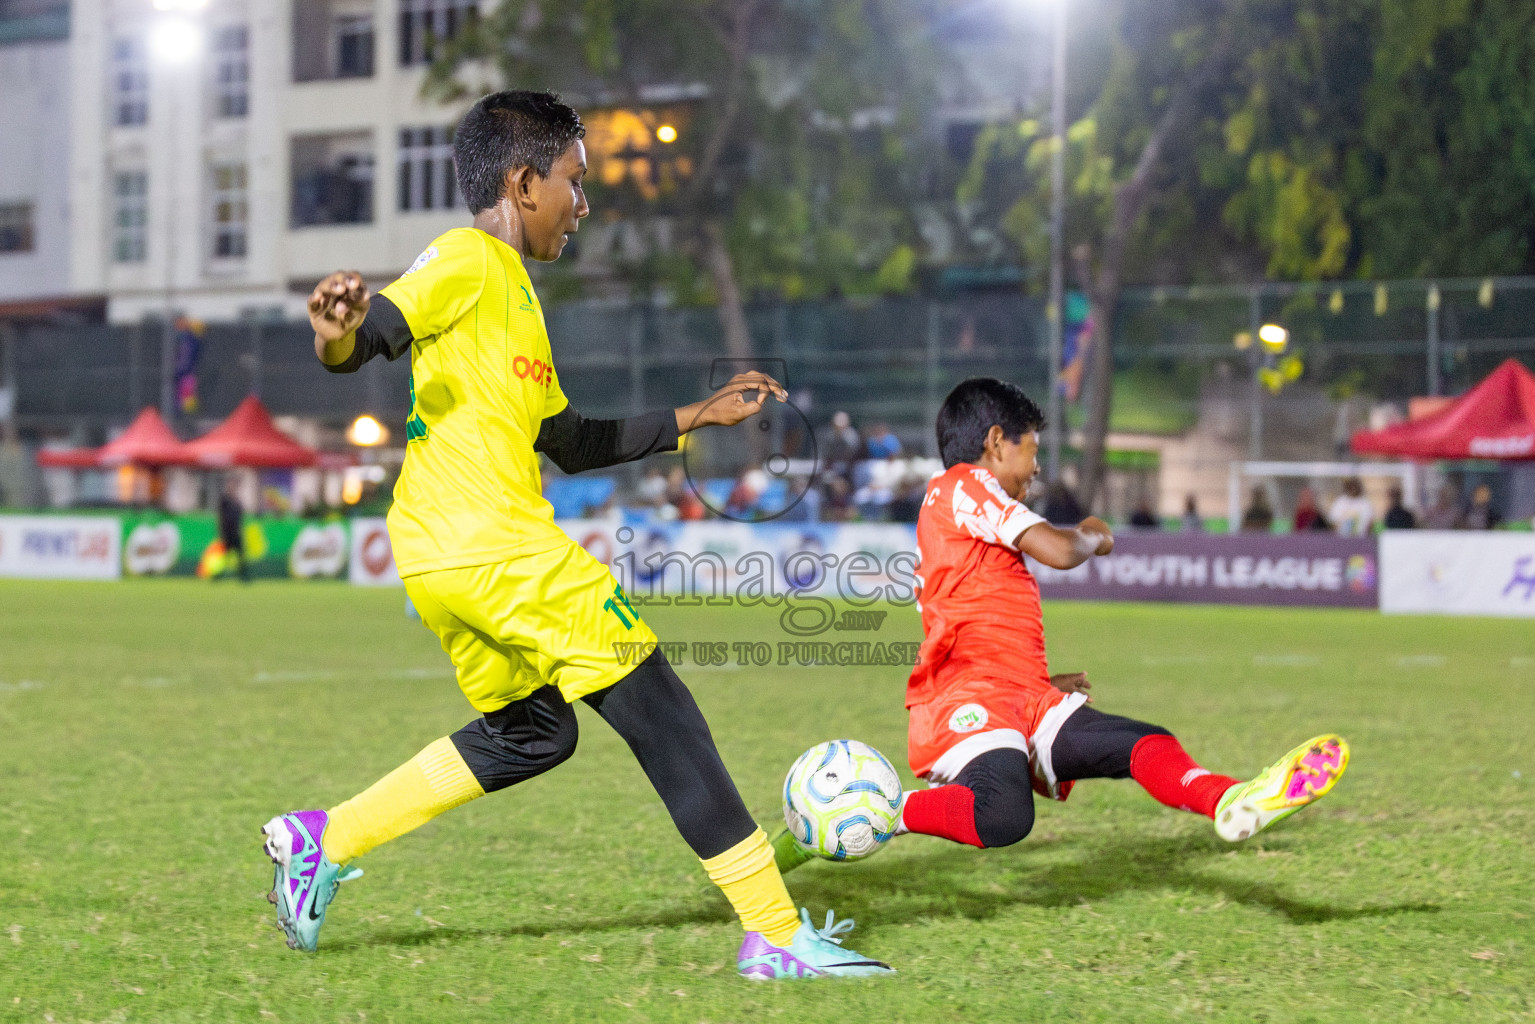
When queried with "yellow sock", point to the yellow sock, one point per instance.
{"points": [[751, 882], [435, 780]]}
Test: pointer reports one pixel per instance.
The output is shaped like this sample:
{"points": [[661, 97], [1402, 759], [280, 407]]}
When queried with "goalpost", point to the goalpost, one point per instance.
{"points": [[1406, 472]]}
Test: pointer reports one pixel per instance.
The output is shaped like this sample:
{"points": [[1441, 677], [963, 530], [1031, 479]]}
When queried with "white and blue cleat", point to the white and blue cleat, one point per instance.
{"points": [[304, 882], [813, 953]]}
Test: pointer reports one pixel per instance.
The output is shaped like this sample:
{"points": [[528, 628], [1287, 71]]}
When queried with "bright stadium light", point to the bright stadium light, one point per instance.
{"points": [[180, 5], [666, 133], [1274, 337], [367, 432], [175, 40]]}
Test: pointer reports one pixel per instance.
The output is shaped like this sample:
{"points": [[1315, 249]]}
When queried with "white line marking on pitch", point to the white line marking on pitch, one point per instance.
{"points": [[1520, 661], [1286, 660], [25, 684], [1421, 661], [290, 677]]}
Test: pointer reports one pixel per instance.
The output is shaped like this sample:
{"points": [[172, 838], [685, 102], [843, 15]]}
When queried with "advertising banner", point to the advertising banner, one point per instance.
{"points": [[188, 545], [60, 547], [372, 558], [858, 561], [1241, 568], [1457, 573]]}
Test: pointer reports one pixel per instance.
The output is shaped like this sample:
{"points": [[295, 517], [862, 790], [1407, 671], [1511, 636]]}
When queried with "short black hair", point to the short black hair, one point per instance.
{"points": [[507, 130], [973, 408]]}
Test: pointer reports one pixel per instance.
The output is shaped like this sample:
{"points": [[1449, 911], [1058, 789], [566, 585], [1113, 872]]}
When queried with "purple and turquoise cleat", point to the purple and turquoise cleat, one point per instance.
{"points": [[813, 953], [304, 882]]}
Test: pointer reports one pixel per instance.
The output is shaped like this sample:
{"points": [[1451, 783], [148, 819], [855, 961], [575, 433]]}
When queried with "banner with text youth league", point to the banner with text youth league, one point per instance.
{"points": [[61, 547], [1457, 573]]}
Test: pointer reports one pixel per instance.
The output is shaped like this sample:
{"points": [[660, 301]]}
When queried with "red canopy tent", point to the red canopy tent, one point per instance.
{"points": [[248, 438], [1494, 420], [146, 442]]}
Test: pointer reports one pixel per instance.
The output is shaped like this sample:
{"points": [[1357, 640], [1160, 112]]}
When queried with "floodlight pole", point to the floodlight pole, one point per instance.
{"points": [[1056, 311], [1435, 368], [1254, 325]]}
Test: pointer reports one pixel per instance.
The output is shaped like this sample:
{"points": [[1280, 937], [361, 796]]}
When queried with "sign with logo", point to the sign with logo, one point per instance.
{"points": [[152, 549], [61, 547], [372, 555], [1457, 573], [318, 551], [1294, 569]]}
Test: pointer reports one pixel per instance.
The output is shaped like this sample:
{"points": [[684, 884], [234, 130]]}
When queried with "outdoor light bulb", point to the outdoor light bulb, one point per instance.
{"points": [[666, 133], [1274, 337], [367, 432], [174, 40]]}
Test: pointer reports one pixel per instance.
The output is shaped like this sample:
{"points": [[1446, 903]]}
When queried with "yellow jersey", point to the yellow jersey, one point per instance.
{"points": [[482, 382]]}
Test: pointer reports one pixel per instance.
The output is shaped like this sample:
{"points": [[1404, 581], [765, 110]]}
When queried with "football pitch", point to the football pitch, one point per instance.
{"points": [[148, 729]]}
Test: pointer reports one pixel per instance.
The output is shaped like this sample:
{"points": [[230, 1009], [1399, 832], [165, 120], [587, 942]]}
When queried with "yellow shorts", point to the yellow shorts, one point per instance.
{"points": [[557, 618]]}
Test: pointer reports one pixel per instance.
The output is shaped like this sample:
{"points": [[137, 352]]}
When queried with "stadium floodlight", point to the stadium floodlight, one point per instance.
{"points": [[174, 40], [666, 133], [1274, 337], [367, 432]]}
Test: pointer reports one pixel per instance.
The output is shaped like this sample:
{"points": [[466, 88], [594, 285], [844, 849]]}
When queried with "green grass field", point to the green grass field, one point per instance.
{"points": [[147, 729]]}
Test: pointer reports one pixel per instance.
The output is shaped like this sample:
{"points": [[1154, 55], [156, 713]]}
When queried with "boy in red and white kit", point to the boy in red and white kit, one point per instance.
{"points": [[989, 725]]}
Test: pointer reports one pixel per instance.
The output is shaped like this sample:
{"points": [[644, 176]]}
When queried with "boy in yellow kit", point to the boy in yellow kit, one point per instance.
{"points": [[529, 619]]}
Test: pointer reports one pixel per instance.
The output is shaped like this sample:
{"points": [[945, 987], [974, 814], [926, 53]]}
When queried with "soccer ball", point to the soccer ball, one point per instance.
{"points": [[842, 800]]}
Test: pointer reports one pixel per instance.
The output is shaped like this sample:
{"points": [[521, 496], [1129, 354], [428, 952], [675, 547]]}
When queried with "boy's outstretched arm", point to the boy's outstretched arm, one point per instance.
{"points": [[577, 444], [351, 326], [1069, 547]]}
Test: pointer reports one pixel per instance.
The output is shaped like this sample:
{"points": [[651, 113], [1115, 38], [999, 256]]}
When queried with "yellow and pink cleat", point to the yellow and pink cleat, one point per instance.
{"points": [[1303, 776]]}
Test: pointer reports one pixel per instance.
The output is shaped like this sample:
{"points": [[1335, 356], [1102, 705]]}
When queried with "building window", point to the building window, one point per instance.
{"points": [[231, 71], [16, 227], [130, 81], [229, 211], [424, 23], [353, 46], [332, 39], [130, 216], [426, 169], [332, 179]]}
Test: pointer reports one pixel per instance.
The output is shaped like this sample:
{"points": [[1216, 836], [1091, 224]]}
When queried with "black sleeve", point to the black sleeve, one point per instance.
{"points": [[577, 444], [383, 332]]}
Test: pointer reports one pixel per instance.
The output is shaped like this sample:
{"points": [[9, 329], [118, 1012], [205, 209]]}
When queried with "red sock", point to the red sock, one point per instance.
{"points": [[947, 812], [1164, 768]]}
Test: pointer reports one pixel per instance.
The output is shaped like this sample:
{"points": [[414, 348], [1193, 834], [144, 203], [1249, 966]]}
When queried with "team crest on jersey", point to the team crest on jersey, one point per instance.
{"points": [[422, 260], [968, 718]]}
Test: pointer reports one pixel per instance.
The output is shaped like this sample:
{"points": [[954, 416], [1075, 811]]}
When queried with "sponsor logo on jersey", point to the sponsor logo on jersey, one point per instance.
{"points": [[968, 718], [422, 260], [526, 305]]}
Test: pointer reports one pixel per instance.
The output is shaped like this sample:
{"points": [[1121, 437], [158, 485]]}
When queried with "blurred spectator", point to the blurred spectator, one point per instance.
{"points": [[651, 491], [837, 499], [232, 529], [1443, 515], [1061, 506], [1259, 517], [907, 502], [748, 491], [845, 447], [1398, 517], [1191, 523], [1351, 513], [882, 443], [1143, 518], [680, 496], [808, 508], [1480, 515], [1307, 515]]}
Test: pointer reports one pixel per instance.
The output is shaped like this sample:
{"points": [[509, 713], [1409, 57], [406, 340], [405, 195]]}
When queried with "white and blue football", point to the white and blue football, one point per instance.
{"points": [[842, 800]]}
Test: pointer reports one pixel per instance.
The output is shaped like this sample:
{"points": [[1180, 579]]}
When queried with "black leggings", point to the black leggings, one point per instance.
{"points": [[655, 714], [1089, 745]]}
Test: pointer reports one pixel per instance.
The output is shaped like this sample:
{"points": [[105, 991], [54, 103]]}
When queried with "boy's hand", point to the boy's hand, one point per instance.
{"points": [[1072, 682], [338, 305], [729, 405], [1093, 526]]}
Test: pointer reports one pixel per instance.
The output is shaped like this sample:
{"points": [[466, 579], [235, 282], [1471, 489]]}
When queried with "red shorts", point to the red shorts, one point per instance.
{"points": [[973, 717]]}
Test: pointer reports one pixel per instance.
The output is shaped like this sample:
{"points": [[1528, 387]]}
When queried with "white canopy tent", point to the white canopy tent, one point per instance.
{"points": [[1240, 471]]}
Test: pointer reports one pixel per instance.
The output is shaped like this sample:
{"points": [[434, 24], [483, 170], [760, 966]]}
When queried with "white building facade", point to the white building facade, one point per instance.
{"points": [[229, 153], [34, 153]]}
